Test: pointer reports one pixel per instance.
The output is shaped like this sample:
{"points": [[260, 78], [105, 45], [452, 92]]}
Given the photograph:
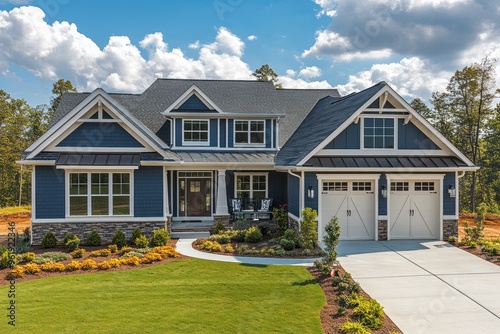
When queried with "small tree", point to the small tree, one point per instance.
{"points": [[331, 241], [119, 239], [280, 218], [308, 236]]}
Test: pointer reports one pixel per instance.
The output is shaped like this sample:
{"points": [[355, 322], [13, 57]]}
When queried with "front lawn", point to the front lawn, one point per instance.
{"points": [[185, 296]]}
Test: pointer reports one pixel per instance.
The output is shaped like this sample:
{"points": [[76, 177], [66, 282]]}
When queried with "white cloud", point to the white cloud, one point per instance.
{"points": [[195, 45], [61, 51], [411, 77], [252, 38], [289, 82], [310, 72]]}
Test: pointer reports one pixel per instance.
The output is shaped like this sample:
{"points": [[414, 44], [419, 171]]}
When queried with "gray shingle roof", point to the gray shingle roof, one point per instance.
{"points": [[327, 115], [232, 96]]}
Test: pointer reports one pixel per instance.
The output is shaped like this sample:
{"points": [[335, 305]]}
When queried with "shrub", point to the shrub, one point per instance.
{"points": [[280, 217], [309, 229], [72, 244], [238, 235], [350, 327], [290, 234], [211, 246], [370, 313], [69, 236], [131, 261], [491, 248], [287, 245], [17, 272], [228, 249], [222, 238], [141, 241], [23, 243], [53, 267], [28, 257], [136, 233], [93, 239], [49, 240], [104, 265], [100, 252], [151, 257], [253, 235], [331, 240], [159, 238], [264, 228], [113, 248], [88, 264], [143, 250], [452, 239], [114, 263], [41, 260], [73, 265], [56, 256], [132, 254], [31, 268], [280, 252], [166, 251], [126, 249], [78, 253], [218, 228], [271, 251], [119, 239]]}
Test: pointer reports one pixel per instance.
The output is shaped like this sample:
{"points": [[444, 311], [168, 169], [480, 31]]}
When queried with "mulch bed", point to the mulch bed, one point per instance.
{"points": [[330, 320], [39, 250], [477, 252]]}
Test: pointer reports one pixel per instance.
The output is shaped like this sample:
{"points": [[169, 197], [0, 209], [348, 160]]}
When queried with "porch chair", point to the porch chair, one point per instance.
{"points": [[236, 208]]}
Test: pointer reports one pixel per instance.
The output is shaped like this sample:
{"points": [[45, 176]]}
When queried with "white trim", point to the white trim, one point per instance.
{"points": [[196, 143], [450, 217], [291, 215], [99, 219], [218, 132], [222, 115], [33, 195], [251, 174], [113, 107], [227, 133], [249, 145], [457, 194], [89, 149], [272, 133], [186, 95], [376, 152], [166, 207], [383, 217], [225, 149], [82, 169], [302, 188], [412, 177], [101, 120], [37, 162], [353, 177], [395, 134], [278, 133], [173, 133], [110, 194]]}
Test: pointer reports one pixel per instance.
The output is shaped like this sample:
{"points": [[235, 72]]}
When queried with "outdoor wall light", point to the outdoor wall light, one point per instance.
{"points": [[452, 191], [383, 192], [310, 192]]}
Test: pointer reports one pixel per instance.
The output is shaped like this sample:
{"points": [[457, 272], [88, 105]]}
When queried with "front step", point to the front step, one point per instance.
{"points": [[189, 235], [191, 230]]}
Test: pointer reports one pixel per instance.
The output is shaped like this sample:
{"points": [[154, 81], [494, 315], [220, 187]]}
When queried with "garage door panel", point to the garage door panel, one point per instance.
{"points": [[400, 216], [424, 216], [336, 206], [361, 217]]}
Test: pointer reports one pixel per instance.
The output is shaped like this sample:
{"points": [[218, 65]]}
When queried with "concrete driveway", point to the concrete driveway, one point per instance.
{"points": [[427, 286]]}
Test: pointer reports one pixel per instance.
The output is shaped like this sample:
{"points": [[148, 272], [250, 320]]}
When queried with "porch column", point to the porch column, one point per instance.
{"points": [[221, 209]]}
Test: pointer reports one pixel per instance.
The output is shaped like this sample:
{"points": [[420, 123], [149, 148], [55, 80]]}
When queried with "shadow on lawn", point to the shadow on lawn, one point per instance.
{"points": [[304, 283]]}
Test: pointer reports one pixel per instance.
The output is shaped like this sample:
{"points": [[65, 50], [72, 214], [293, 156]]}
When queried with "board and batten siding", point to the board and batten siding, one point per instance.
{"points": [[449, 203], [293, 195], [347, 139], [148, 192], [411, 138], [99, 135], [50, 192]]}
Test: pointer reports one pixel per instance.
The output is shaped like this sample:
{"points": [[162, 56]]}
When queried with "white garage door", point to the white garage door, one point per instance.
{"points": [[353, 202], [414, 210]]}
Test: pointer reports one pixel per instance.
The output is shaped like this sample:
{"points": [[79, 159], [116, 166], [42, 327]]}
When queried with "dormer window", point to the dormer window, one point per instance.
{"points": [[249, 133], [378, 133], [195, 132]]}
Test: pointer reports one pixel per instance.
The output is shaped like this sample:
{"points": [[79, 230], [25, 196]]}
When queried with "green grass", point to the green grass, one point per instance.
{"points": [[186, 296], [15, 209]]}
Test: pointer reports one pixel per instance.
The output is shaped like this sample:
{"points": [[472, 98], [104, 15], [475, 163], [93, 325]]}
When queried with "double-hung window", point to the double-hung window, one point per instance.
{"points": [[251, 186], [378, 133], [99, 194], [195, 132], [249, 132]]}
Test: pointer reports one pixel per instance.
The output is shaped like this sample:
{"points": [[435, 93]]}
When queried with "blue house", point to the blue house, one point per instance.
{"points": [[181, 151]]}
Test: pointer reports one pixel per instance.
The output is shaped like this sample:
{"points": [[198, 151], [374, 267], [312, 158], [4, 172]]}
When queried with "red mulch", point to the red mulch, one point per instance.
{"points": [[330, 320]]}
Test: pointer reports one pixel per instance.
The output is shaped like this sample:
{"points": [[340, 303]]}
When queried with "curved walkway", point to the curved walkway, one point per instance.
{"points": [[184, 246]]}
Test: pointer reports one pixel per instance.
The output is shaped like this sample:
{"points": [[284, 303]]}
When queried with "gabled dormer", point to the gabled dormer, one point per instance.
{"points": [[192, 101]]}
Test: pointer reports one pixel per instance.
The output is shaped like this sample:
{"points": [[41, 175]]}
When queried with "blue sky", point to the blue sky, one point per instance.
{"points": [[124, 45]]}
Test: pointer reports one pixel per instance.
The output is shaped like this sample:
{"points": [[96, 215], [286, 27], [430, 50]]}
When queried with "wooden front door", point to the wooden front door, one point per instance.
{"points": [[198, 199]]}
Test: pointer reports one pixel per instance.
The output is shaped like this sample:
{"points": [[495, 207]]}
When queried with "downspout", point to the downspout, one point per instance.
{"points": [[461, 174], [300, 186]]}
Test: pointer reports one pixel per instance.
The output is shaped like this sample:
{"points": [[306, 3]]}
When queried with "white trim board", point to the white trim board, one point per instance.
{"points": [[187, 94]]}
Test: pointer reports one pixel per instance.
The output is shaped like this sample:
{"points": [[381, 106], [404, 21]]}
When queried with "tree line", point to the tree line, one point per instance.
{"points": [[465, 113], [20, 126]]}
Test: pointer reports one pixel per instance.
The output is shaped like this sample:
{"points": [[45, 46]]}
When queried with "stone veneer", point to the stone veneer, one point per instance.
{"points": [[450, 228], [224, 219], [105, 229], [382, 230]]}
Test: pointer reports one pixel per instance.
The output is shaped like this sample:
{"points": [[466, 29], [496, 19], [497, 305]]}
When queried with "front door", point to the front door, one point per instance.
{"points": [[195, 194]]}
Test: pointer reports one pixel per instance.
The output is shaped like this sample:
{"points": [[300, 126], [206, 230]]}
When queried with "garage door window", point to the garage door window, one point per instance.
{"points": [[424, 186], [334, 186], [400, 186], [361, 186]]}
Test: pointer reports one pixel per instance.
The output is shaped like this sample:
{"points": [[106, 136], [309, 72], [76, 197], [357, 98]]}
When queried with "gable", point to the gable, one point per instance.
{"points": [[347, 139], [99, 134], [194, 103], [412, 138]]}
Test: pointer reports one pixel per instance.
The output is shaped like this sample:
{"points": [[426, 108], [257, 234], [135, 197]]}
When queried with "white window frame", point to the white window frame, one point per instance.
{"points": [[110, 194], [249, 133], [362, 133], [195, 143], [236, 175]]}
